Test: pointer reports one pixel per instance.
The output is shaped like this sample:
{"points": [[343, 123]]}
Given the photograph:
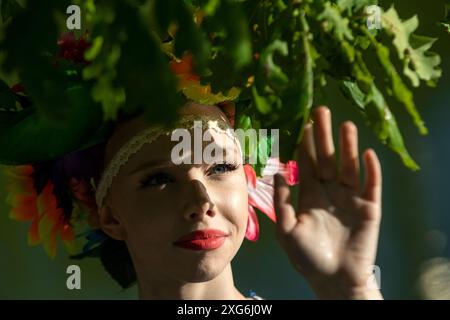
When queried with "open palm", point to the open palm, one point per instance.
{"points": [[332, 238]]}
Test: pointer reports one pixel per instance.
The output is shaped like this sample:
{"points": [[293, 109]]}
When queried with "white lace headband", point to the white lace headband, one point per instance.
{"points": [[149, 135]]}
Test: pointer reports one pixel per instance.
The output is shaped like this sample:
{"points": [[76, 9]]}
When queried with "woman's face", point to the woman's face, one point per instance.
{"points": [[152, 203]]}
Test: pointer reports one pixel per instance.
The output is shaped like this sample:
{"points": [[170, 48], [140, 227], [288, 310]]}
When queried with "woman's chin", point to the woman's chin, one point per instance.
{"points": [[204, 269]]}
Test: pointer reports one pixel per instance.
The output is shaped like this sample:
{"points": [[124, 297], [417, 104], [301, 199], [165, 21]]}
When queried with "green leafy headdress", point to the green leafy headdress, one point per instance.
{"points": [[149, 56]]}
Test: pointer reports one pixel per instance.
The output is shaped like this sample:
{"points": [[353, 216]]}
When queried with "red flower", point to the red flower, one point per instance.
{"points": [[72, 49], [18, 88]]}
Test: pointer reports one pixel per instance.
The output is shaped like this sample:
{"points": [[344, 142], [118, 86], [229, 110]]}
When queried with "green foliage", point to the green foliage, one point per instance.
{"points": [[30, 57], [278, 52], [446, 22], [418, 62], [7, 98], [9, 8]]}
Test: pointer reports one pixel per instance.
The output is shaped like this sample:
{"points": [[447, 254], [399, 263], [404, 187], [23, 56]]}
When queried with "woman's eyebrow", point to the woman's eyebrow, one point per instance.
{"points": [[152, 164]]}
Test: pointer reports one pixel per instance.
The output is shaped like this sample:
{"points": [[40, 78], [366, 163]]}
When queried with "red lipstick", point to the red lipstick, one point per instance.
{"points": [[207, 239]]}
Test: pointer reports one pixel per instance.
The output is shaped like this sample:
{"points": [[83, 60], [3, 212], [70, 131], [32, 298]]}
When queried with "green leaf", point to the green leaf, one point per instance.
{"points": [[263, 104], [418, 62], [211, 6], [265, 48], [190, 38], [128, 76], [9, 8], [237, 40], [446, 22], [333, 20], [40, 139], [221, 77], [95, 48], [298, 99], [31, 57], [7, 98], [264, 151], [274, 75], [354, 5], [380, 118], [105, 90], [400, 91]]}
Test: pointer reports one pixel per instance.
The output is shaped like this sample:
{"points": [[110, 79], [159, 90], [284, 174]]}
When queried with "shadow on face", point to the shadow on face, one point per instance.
{"points": [[153, 202]]}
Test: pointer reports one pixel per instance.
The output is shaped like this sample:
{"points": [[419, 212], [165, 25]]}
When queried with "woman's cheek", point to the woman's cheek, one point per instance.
{"points": [[236, 207], [145, 207]]}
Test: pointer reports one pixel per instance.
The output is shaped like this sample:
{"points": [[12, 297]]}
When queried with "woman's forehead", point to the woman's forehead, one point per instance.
{"points": [[127, 130], [193, 108], [162, 152]]}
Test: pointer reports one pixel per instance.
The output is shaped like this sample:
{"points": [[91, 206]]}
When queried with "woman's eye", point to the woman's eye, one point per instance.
{"points": [[223, 168], [157, 179]]}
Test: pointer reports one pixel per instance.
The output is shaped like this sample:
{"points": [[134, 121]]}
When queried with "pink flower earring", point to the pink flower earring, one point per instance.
{"points": [[261, 190]]}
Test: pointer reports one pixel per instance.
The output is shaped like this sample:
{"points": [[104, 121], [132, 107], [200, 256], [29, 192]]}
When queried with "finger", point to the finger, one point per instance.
{"points": [[372, 188], [323, 141], [307, 155], [349, 161], [286, 217]]}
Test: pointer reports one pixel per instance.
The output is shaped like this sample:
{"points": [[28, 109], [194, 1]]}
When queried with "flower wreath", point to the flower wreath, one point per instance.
{"points": [[55, 194]]}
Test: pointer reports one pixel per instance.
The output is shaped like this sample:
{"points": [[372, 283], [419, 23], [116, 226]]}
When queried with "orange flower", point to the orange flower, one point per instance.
{"points": [[184, 71], [189, 83], [53, 223], [47, 220], [23, 199]]}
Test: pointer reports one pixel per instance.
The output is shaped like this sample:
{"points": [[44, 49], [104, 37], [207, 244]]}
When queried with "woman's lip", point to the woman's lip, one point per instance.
{"points": [[206, 239], [202, 244]]}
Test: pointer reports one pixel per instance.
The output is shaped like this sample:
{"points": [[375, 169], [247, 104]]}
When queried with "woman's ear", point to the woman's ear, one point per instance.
{"points": [[111, 224]]}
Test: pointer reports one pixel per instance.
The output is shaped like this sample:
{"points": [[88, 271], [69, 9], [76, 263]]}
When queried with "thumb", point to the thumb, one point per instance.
{"points": [[286, 217]]}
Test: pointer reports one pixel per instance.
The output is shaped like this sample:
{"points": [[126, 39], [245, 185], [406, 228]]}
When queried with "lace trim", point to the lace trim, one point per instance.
{"points": [[148, 136]]}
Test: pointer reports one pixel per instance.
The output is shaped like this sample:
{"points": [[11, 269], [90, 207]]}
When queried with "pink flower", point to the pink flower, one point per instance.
{"points": [[261, 190]]}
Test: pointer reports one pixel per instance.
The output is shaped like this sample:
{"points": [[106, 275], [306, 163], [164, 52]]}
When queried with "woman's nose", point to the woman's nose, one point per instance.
{"points": [[198, 205]]}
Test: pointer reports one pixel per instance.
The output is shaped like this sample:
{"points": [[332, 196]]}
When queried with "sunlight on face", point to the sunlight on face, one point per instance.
{"points": [[156, 202]]}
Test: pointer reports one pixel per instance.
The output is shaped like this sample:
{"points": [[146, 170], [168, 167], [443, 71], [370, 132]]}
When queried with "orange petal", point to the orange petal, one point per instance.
{"points": [[48, 230], [33, 233], [182, 66], [24, 209], [20, 185], [66, 232], [47, 200], [68, 238]]}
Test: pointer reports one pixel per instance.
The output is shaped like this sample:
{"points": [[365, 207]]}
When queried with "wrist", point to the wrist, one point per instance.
{"points": [[336, 291]]}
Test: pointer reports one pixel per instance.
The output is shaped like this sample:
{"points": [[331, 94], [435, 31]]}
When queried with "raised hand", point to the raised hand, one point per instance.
{"points": [[332, 237]]}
